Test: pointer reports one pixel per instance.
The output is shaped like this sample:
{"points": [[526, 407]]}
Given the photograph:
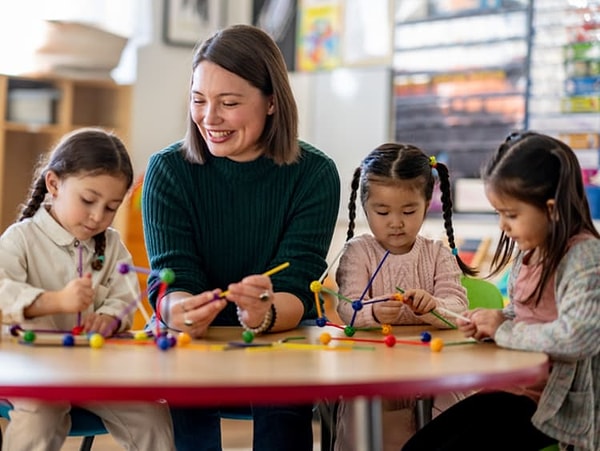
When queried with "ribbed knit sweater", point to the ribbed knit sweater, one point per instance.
{"points": [[429, 266], [217, 222]]}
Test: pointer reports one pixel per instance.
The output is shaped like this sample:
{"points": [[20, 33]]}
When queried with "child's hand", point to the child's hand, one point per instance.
{"points": [[103, 324], [387, 312], [468, 328], [420, 301], [77, 295], [484, 323]]}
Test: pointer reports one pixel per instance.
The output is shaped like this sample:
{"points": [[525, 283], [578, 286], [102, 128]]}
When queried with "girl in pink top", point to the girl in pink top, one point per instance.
{"points": [[396, 184]]}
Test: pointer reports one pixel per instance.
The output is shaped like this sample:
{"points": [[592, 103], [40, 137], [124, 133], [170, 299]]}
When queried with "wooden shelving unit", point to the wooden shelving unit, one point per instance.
{"points": [[77, 103]]}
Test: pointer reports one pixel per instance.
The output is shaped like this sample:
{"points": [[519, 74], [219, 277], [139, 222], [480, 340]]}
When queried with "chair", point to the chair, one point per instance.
{"points": [[83, 424], [482, 293]]}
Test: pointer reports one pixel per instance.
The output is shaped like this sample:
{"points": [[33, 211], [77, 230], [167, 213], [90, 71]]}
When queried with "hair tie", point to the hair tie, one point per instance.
{"points": [[432, 162], [455, 252]]}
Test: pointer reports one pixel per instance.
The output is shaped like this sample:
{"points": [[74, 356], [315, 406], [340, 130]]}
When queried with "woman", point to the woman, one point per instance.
{"points": [[238, 196]]}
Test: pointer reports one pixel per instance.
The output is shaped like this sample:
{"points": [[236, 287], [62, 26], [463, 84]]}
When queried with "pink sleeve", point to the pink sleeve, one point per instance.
{"points": [[352, 276]]}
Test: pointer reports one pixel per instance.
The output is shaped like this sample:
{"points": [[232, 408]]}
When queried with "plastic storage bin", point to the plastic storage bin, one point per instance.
{"points": [[32, 106]]}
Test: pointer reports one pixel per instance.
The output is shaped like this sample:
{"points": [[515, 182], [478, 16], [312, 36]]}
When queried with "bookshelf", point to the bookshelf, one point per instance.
{"points": [[36, 111]]}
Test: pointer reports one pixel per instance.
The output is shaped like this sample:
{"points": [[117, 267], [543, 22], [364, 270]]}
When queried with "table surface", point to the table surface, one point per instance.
{"points": [[200, 375]]}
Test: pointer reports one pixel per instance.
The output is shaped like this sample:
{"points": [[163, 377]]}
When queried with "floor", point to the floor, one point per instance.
{"points": [[237, 436]]}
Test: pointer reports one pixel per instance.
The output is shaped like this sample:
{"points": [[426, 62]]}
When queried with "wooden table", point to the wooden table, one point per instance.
{"points": [[199, 375]]}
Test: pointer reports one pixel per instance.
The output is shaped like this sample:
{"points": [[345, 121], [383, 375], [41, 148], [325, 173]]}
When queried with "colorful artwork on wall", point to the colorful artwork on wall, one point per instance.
{"points": [[319, 35]]}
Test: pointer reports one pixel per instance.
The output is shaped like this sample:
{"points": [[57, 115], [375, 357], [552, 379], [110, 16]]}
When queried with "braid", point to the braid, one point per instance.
{"points": [[100, 241], [352, 203], [37, 195], [446, 199]]}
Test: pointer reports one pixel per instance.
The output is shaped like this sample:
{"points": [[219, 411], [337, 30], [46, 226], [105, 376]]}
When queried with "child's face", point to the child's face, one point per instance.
{"points": [[526, 224], [85, 205], [395, 214]]}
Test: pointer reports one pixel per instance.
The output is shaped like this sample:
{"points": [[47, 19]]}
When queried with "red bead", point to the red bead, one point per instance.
{"points": [[77, 330], [390, 341]]}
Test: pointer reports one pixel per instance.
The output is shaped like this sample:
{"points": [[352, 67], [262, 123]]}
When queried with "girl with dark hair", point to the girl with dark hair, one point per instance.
{"points": [[60, 271], [396, 182], [535, 184]]}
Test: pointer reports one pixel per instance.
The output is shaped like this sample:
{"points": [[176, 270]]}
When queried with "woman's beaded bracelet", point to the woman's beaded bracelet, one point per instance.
{"points": [[266, 325]]}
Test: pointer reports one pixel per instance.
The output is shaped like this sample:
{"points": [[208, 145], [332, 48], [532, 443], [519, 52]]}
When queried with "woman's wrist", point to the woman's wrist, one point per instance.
{"points": [[265, 326]]}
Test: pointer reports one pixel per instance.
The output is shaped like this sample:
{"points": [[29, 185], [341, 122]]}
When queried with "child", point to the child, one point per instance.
{"points": [[59, 264], [534, 182], [396, 186]]}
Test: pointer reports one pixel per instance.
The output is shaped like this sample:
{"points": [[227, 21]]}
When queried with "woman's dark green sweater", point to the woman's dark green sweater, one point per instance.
{"points": [[217, 222]]}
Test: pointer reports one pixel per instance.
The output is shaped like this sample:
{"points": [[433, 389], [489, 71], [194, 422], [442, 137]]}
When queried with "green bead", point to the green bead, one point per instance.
{"points": [[349, 331], [167, 276], [247, 336], [29, 336]]}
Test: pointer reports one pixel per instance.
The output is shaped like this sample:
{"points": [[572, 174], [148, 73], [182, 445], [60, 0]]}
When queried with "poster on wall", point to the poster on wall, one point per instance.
{"points": [[278, 18], [187, 22], [319, 35]]}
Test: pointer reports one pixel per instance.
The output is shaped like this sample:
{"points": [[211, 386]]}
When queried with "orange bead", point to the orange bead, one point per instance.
{"points": [[325, 338], [386, 329], [436, 344], [398, 297], [183, 338]]}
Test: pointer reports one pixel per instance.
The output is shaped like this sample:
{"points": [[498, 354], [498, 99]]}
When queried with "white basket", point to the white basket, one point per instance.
{"points": [[79, 47]]}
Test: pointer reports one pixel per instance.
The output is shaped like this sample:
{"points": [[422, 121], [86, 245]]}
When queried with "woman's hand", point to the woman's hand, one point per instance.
{"points": [[253, 295], [194, 314]]}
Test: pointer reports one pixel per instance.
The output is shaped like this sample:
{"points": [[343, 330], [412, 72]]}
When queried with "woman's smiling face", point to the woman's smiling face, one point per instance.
{"points": [[229, 112]]}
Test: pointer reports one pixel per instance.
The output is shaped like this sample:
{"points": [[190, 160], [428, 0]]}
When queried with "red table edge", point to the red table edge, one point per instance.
{"points": [[294, 393]]}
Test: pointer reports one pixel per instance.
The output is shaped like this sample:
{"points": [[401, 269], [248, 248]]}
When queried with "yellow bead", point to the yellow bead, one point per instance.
{"points": [[386, 329], [315, 286], [96, 341], [140, 335]]}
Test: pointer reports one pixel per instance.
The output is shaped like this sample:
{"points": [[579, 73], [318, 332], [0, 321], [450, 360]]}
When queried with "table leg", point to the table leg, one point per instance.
{"points": [[424, 409], [368, 425]]}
